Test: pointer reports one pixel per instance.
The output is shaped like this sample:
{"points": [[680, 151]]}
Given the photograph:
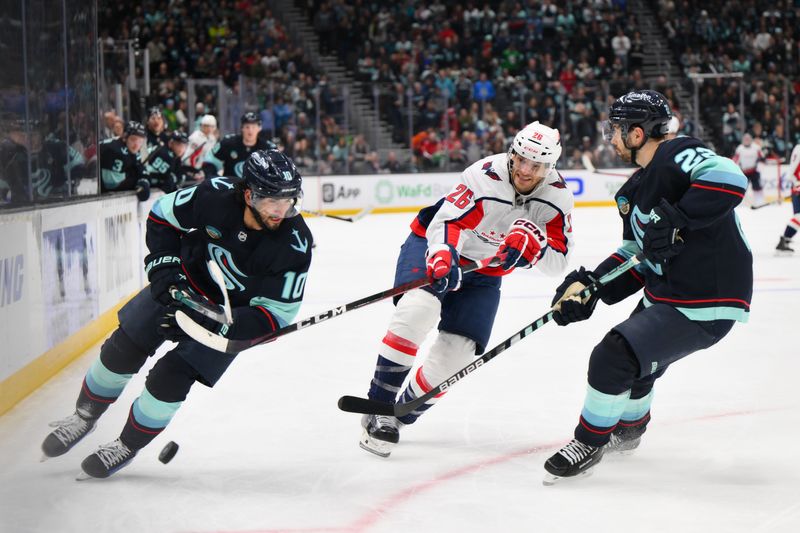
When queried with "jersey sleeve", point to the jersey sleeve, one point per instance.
{"points": [[717, 187], [172, 216], [213, 162], [558, 228], [461, 209], [793, 171]]}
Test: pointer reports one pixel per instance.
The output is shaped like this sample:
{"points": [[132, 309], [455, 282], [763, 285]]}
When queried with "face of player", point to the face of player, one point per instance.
{"points": [[250, 134], [527, 174], [134, 143], [272, 211], [207, 129], [155, 123], [613, 134], [178, 148]]}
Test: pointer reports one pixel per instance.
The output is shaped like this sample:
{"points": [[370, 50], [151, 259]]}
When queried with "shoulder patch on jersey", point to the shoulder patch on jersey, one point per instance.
{"points": [[624, 205], [559, 184], [489, 171], [213, 232]]}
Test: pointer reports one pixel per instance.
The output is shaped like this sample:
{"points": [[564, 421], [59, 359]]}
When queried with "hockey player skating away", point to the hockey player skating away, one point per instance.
{"points": [[747, 156], [515, 205], [253, 232], [232, 151], [120, 168], [793, 175], [697, 277], [201, 141]]}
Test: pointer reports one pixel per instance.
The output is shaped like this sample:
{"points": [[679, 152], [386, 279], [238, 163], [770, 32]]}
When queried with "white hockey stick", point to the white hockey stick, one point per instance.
{"points": [[221, 313]]}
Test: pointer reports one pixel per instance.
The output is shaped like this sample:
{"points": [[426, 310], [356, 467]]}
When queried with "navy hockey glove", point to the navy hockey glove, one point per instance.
{"points": [[661, 240], [441, 263], [142, 190], [567, 308], [522, 246], [165, 273], [170, 330]]}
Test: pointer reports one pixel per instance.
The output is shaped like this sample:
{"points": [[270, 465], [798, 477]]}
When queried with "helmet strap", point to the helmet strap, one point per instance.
{"points": [[631, 148]]}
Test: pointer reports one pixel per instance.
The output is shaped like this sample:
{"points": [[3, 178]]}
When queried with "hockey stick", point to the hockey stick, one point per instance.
{"points": [[354, 404], [358, 216], [222, 344], [765, 204], [220, 313]]}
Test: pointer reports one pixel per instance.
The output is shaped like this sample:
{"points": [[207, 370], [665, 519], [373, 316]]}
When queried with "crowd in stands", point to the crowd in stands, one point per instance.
{"points": [[757, 38], [471, 74]]}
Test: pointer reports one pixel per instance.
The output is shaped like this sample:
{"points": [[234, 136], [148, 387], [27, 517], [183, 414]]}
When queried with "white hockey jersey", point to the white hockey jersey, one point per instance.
{"points": [[748, 157], [475, 216], [793, 172], [199, 145]]}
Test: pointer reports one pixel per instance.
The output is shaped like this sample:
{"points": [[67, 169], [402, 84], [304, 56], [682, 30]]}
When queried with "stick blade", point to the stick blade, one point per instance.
{"points": [[361, 214], [201, 334], [352, 404]]}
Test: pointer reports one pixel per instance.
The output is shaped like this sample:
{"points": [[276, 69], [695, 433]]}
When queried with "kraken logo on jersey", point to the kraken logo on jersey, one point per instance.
{"points": [[237, 168], [638, 222], [302, 244], [623, 205], [224, 260]]}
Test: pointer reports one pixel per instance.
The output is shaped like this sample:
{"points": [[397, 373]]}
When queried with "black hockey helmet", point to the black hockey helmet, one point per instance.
{"points": [[646, 109], [179, 137], [155, 110], [135, 128], [251, 118], [272, 174]]}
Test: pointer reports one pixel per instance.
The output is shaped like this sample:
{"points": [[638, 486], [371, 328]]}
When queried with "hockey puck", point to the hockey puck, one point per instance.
{"points": [[168, 452]]}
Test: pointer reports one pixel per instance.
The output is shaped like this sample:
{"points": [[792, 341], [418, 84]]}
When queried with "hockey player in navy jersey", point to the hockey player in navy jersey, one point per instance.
{"points": [[120, 168], [230, 153], [514, 205], [164, 168], [678, 209], [252, 230]]}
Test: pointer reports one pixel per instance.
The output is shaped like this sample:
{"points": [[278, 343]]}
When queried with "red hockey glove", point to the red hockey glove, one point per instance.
{"points": [[522, 246], [442, 267]]}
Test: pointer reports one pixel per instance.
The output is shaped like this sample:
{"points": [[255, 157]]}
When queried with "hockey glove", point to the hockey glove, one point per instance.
{"points": [[248, 323], [523, 246], [441, 262], [661, 240], [567, 307], [142, 190], [165, 273]]}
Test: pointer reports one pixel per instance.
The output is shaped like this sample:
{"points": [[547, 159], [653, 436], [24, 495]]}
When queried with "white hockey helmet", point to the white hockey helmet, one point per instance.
{"points": [[538, 143]]}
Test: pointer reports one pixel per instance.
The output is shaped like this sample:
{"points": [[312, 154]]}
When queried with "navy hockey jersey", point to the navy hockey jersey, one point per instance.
{"points": [[712, 278], [229, 155], [119, 169], [265, 270]]}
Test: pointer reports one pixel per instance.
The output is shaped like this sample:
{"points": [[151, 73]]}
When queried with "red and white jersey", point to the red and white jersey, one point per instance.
{"points": [[199, 145], [793, 172], [747, 157], [477, 213]]}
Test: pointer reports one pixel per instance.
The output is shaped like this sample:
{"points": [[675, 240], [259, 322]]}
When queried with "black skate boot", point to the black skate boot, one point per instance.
{"points": [[106, 460], [381, 434], [576, 459], [624, 440], [783, 246], [67, 434]]}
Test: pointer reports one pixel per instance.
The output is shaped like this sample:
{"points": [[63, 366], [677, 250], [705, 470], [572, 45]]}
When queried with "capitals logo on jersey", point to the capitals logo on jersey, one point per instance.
{"points": [[489, 171]]}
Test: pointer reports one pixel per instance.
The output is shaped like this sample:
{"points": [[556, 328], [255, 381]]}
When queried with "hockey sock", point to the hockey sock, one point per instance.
{"points": [[101, 387], [147, 419], [415, 315], [792, 227], [449, 353], [612, 368]]}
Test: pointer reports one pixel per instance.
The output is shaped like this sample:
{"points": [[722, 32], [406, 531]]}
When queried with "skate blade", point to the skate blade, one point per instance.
{"points": [[378, 447], [552, 479], [83, 476], [44, 458]]}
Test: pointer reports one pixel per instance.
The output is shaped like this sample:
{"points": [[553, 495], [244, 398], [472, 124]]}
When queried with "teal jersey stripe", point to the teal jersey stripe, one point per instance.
{"points": [[741, 232], [211, 158], [153, 413], [603, 410], [164, 208], [704, 314], [112, 179], [285, 312], [628, 250], [636, 409], [103, 382], [720, 170]]}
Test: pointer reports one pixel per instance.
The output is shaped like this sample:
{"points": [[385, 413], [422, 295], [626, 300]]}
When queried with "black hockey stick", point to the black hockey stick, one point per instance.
{"points": [[223, 344], [354, 404], [358, 216]]}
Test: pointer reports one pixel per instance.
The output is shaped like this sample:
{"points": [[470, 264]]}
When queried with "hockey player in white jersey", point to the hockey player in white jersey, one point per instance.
{"points": [[201, 141], [514, 206], [747, 156], [793, 177]]}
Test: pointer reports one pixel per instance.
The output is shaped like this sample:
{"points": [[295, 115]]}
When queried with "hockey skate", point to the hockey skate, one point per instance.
{"points": [[574, 460], [623, 442], [783, 246], [67, 433], [381, 434], [106, 460]]}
